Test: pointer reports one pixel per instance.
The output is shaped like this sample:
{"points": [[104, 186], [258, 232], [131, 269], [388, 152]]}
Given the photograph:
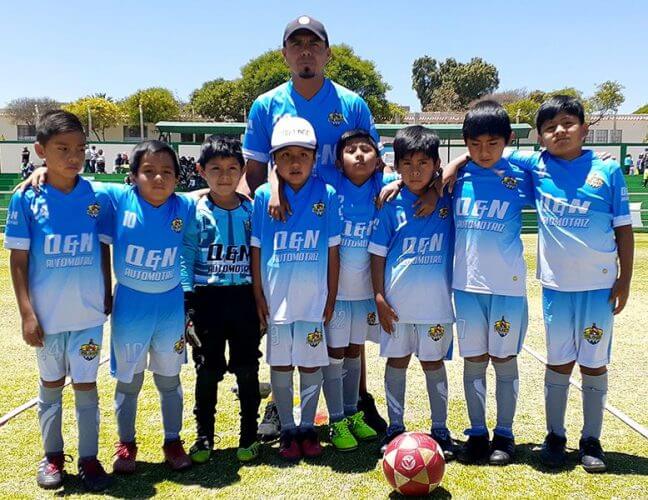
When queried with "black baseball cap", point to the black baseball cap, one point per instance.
{"points": [[306, 23]]}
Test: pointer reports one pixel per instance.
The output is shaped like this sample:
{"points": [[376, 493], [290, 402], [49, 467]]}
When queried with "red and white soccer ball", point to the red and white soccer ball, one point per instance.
{"points": [[413, 464]]}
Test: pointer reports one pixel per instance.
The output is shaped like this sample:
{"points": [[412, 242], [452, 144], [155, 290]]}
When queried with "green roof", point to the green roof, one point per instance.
{"points": [[202, 127], [447, 130]]}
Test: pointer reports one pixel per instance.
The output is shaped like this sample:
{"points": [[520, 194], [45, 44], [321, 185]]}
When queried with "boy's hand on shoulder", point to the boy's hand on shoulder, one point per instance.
{"points": [[619, 295], [32, 332], [278, 206], [35, 180], [386, 314], [389, 192]]}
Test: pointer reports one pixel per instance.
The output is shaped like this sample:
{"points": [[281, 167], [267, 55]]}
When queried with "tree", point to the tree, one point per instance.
{"points": [[504, 97], [219, 100], [643, 110], [523, 111], [26, 110], [104, 113], [606, 100], [449, 85], [158, 104]]}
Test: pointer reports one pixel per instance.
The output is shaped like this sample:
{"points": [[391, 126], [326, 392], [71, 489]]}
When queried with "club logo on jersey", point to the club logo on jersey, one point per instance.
{"points": [[179, 346], [436, 332], [509, 182], [502, 327], [444, 212], [89, 351], [93, 210], [314, 338], [335, 118], [594, 180], [371, 319], [177, 224], [593, 334], [318, 208]]}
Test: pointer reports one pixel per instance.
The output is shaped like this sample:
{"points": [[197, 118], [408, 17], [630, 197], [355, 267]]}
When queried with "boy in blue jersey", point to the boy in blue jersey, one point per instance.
{"points": [[411, 267], [219, 300], [61, 276], [585, 254], [489, 278], [295, 266]]}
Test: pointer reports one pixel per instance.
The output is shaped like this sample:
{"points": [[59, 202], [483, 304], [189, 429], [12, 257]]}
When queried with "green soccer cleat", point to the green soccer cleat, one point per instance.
{"points": [[341, 436], [250, 453], [200, 451], [360, 429]]}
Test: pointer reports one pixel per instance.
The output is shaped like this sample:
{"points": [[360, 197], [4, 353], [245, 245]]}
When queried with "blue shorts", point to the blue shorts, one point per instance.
{"points": [[302, 343], [147, 330], [578, 326], [353, 322], [490, 324]]}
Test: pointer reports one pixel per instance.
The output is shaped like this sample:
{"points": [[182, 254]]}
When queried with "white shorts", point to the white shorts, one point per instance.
{"points": [[353, 322], [301, 343], [71, 353], [490, 324], [429, 342]]}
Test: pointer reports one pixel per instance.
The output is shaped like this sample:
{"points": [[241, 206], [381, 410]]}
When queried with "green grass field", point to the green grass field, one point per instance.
{"points": [[357, 474]]}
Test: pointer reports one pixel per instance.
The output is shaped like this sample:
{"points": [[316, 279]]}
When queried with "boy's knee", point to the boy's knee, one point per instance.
{"points": [[311, 369], [565, 369], [432, 365], [399, 362], [352, 351], [478, 359], [593, 372], [54, 384], [495, 359], [87, 386], [336, 352], [132, 387], [164, 383]]}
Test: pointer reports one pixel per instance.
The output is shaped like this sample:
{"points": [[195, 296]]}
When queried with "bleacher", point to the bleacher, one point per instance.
{"points": [[529, 218]]}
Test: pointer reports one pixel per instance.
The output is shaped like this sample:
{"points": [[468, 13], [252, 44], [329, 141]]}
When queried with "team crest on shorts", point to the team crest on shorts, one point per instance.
{"points": [[89, 351], [502, 327], [594, 180], [436, 332], [314, 338], [443, 212], [318, 208], [509, 182], [593, 334], [179, 346], [371, 319], [335, 118], [177, 224], [93, 210]]}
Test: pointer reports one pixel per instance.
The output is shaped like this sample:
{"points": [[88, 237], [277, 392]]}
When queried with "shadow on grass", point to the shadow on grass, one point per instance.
{"points": [[439, 492]]}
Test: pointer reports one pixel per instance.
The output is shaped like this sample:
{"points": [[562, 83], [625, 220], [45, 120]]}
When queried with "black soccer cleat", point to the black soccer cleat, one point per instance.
{"points": [[388, 438], [554, 452], [502, 450], [367, 405], [92, 475], [591, 455], [445, 441], [474, 451], [270, 427]]}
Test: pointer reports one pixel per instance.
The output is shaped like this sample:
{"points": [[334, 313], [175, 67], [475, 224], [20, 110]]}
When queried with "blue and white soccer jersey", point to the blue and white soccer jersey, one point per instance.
{"points": [[148, 313], [294, 268], [489, 276], [332, 111], [580, 203], [61, 232], [418, 275]]}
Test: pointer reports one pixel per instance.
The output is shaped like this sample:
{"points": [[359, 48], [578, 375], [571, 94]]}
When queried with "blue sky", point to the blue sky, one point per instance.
{"points": [[69, 49]]}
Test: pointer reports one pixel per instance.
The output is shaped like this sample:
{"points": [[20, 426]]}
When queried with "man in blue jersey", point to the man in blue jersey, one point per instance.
{"points": [[62, 281], [411, 268], [489, 278], [585, 254], [219, 299]]}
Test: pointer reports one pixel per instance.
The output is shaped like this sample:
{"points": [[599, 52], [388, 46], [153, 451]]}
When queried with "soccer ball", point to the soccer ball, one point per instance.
{"points": [[413, 464]]}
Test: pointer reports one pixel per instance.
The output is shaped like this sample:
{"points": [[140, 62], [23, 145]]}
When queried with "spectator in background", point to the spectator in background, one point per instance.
{"points": [[101, 162], [641, 163], [645, 176], [93, 159], [118, 163], [88, 157], [628, 165], [25, 156]]}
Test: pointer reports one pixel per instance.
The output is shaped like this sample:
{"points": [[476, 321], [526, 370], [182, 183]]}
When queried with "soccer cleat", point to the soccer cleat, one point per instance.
{"points": [[475, 450], [502, 450], [92, 475], [389, 437], [591, 455], [367, 405], [360, 429], [289, 446], [270, 426], [310, 444], [445, 441], [553, 453], [341, 436], [175, 455], [126, 454], [200, 451], [248, 453], [51, 471]]}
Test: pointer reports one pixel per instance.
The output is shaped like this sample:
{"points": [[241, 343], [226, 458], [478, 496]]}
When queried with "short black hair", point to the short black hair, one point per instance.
{"points": [[559, 104], [56, 122], [152, 147], [350, 135], [220, 147], [415, 139], [487, 118]]}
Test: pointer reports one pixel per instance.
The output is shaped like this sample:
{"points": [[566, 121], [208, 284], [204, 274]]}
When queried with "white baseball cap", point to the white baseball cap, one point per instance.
{"points": [[292, 131]]}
